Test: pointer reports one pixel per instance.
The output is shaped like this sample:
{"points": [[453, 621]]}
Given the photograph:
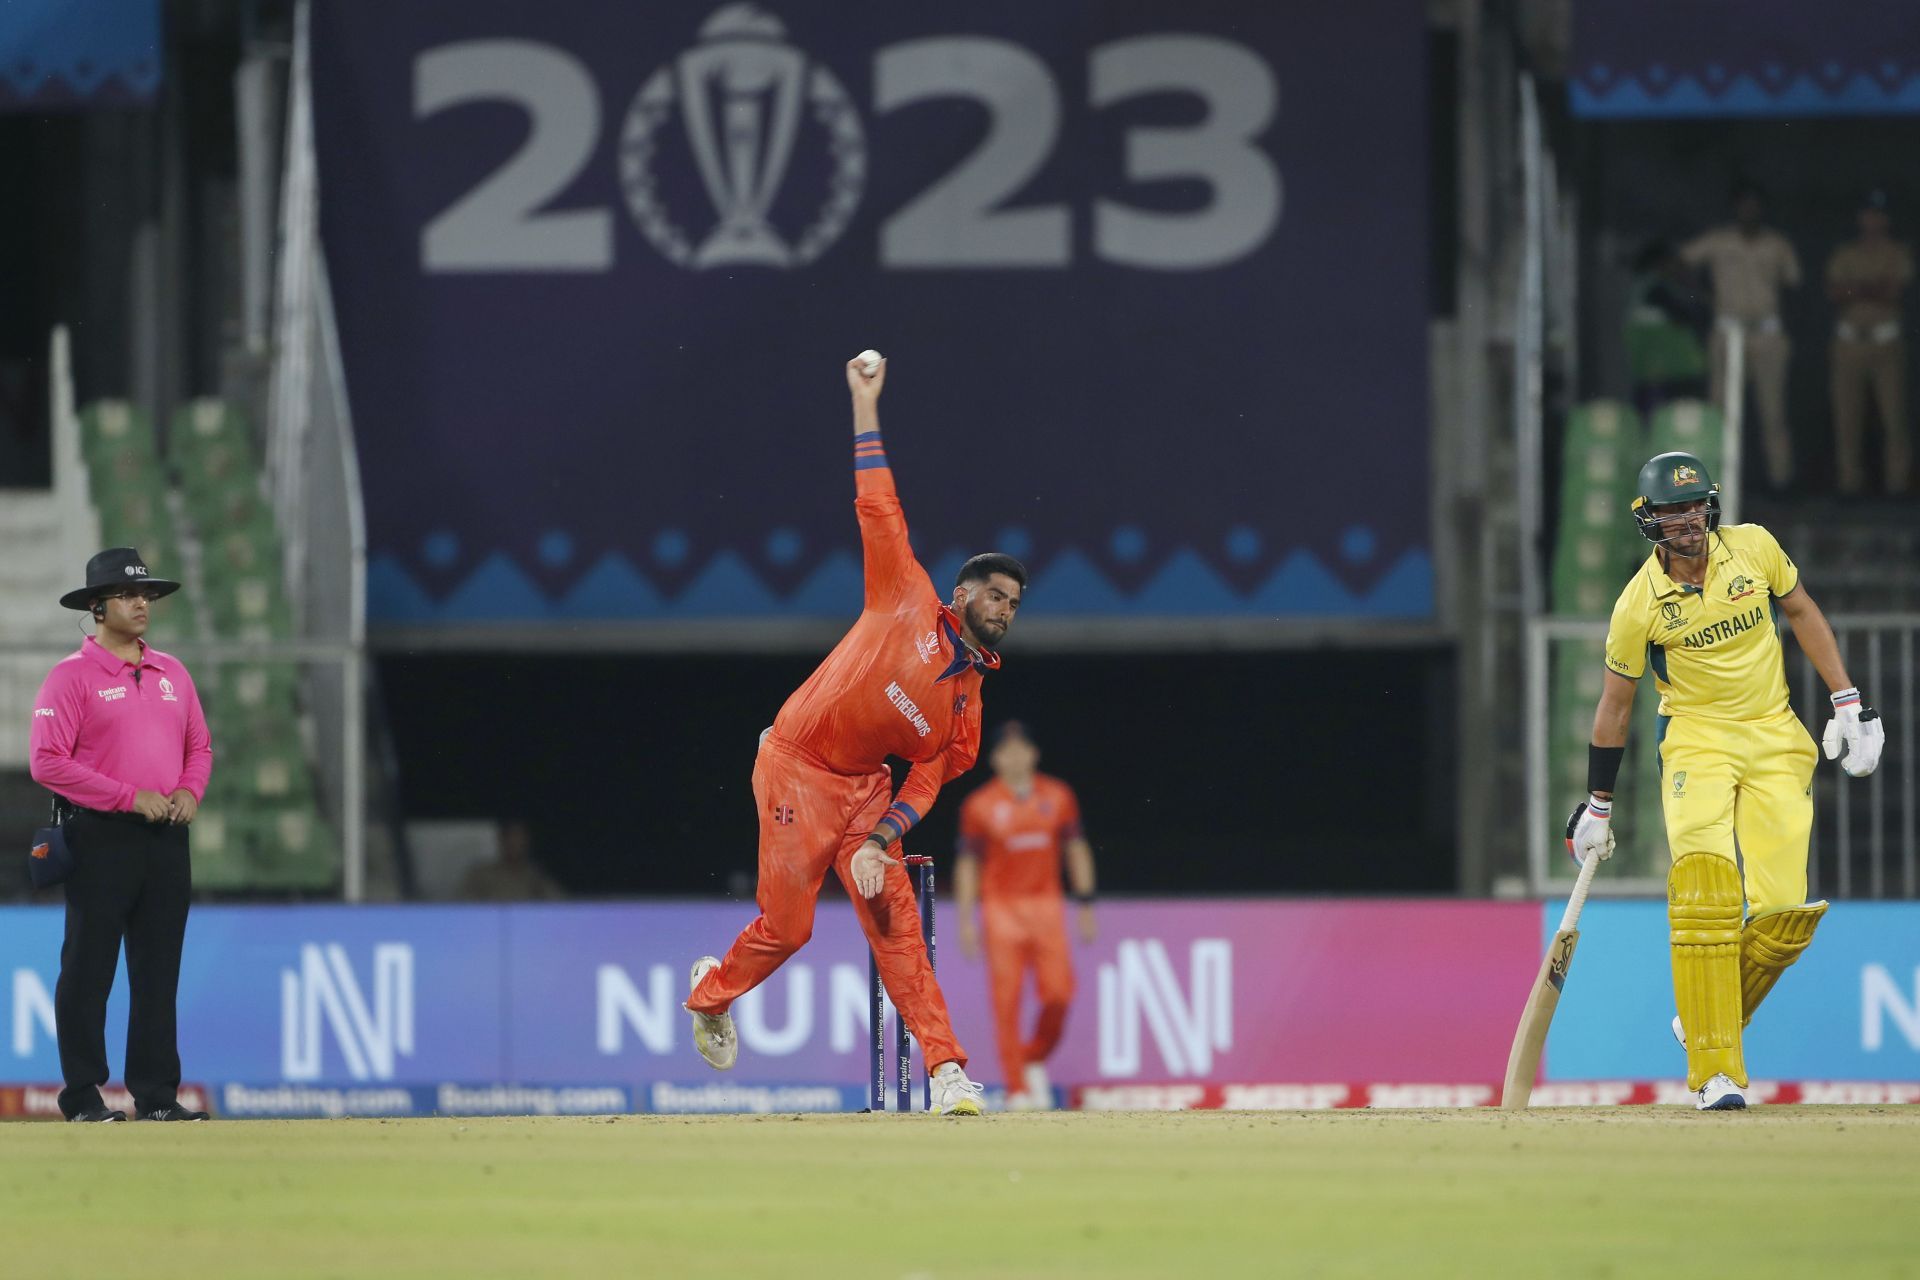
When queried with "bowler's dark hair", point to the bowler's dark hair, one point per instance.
{"points": [[988, 563]]}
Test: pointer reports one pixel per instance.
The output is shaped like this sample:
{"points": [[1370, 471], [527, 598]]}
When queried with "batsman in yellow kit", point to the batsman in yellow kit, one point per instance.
{"points": [[1736, 767]]}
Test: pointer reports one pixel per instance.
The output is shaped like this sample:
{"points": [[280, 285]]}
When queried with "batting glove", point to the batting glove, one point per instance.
{"points": [[1857, 727], [1590, 830]]}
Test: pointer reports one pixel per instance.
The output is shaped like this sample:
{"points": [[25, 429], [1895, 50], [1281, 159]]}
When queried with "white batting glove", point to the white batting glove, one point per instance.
{"points": [[1590, 830], [1857, 727]]}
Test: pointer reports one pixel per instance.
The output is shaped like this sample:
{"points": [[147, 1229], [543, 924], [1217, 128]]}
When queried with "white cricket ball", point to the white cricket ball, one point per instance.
{"points": [[869, 361]]}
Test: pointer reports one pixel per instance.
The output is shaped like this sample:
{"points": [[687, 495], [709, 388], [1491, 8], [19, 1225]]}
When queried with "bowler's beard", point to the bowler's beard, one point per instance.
{"points": [[985, 631]]}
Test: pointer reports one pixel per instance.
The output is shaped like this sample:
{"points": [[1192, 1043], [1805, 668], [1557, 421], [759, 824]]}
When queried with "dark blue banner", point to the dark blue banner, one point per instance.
{"points": [[1150, 280], [58, 53], [1742, 58]]}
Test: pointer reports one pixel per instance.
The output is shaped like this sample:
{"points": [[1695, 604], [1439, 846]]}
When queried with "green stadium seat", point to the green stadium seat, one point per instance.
{"points": [[275, 771], [215, 468], [237, 550], [220, 858], [110, 427], [203, 423], [293, 849], [1591, 556], [124, 474], [248, 606], [1690, 426], [140, 508], [176, 617], [235, 506], [247, 715]]}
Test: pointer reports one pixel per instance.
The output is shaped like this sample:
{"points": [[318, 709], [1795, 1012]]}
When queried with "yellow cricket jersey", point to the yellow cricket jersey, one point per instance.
{"points": [[1715, 649]]}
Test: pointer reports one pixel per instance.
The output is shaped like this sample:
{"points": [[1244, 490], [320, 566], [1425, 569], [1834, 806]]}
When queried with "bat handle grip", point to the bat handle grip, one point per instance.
{"points": [[1571, 918]]}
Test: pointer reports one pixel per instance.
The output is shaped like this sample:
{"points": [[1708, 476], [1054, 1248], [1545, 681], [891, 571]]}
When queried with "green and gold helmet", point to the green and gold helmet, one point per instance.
{"points": [[1669, 480]]}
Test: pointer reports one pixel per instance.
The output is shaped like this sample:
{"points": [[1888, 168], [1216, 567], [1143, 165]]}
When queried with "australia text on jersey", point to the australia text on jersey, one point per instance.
{"points": [[1725, 629]]}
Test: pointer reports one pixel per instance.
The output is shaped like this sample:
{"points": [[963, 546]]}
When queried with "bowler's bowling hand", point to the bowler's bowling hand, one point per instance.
{"points": [[862, 386], [870, 869], [182, 807]]}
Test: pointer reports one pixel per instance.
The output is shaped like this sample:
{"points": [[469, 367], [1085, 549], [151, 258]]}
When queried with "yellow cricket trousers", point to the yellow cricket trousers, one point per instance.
{"points": [[1749, 781]]}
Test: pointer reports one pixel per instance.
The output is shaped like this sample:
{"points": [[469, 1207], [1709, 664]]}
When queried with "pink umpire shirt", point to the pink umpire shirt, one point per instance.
{"points": [[99, 735]]}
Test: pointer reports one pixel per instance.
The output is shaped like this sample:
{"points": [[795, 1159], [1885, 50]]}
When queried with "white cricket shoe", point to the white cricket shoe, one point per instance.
{"points": [[953, 1093], [713, 1032], [1039, 1091], [1720, 1094], [1679, 1033]]}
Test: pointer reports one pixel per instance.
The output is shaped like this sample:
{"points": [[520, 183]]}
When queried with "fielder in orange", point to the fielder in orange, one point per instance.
{"points": [[904, 682], [1013, 833]]}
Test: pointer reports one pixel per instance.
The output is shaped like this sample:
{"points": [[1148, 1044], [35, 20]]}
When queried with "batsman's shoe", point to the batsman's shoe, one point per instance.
{"points": [[1679, 1032], [1720, 1094], [954, 1094], [712, 1032], [173, 1112]]}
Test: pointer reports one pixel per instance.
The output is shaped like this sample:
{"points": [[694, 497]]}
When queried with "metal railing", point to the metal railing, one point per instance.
{"points": [[313, 470], [1864, 830]]}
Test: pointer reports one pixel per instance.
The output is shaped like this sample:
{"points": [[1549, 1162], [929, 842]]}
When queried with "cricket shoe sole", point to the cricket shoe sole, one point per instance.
{"points": [[1720, 1094]]}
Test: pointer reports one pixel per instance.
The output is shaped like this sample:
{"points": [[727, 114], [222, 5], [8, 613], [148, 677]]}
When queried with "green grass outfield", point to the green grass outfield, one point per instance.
{"points": [[1792, 1191]]}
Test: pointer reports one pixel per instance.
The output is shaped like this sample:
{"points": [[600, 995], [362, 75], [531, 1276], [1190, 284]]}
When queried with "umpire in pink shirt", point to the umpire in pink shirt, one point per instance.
{"points": [[119, 737]]}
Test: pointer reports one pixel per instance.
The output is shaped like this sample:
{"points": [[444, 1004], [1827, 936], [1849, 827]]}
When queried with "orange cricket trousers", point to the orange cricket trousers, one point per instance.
{"points": [[1021, 934], [812, 818]]}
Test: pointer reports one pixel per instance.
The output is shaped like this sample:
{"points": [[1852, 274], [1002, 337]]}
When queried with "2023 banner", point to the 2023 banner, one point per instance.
{"points": [[1151, 283]]}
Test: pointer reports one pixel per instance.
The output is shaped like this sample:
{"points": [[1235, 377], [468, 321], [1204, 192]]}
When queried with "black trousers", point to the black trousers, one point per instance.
{"points": [[131, 880]]}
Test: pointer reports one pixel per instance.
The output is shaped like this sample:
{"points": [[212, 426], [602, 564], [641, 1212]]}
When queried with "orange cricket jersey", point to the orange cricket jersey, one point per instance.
{"points": [[1019, 839], [902, 682]]}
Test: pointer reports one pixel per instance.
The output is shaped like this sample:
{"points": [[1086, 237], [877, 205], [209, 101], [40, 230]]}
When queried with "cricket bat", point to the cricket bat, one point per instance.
{"points": [[1523, 1061]]}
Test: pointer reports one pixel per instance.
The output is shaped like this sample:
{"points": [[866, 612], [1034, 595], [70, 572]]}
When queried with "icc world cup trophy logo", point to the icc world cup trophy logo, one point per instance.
{"points": [[748, 102]]}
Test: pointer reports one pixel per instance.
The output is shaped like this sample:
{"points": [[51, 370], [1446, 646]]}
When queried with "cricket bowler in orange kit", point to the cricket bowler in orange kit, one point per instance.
{"points": [[1014, 832], [904, 682]]}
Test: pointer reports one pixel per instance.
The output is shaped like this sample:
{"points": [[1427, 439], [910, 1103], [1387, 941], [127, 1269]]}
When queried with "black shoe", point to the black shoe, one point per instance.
{"points": [[96, 1115], [173, 1112]]}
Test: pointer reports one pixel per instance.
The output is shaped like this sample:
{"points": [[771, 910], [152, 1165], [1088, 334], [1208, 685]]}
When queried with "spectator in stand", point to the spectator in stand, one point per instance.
{"points": [[1865, 278], [1667, 318], [513, 876], [1749, 263]]}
